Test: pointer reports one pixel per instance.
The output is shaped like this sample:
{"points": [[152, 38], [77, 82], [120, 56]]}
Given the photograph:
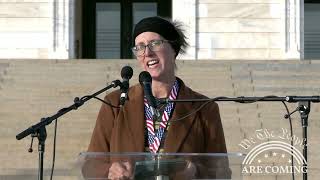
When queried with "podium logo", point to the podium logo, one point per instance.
{"points": [[272, 156]]}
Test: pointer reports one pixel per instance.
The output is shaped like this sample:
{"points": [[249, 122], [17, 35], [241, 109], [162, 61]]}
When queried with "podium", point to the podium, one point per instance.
{"points": [[162, 166]]}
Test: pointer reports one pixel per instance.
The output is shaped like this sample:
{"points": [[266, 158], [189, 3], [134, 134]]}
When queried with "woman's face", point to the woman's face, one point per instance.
{"points": [[160, 63]]}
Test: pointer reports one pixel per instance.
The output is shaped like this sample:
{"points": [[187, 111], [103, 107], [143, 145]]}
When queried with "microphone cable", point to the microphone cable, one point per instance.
{"points": [[288, 115], [54, 147], [126, 74], [181, 118], [197, 109], [55, 130], [103, 101]]}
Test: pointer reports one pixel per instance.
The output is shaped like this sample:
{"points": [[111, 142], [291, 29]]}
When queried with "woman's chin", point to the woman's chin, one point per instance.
{"points": [[156, 76], [154, 72]]}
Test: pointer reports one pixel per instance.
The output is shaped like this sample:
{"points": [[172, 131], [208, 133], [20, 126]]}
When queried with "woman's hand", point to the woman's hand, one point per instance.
{"points": [[189, 171], [120, 170]]}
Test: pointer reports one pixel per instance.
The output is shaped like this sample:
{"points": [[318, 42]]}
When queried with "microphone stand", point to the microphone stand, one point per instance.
{"points": [[304, 113], [303, 101], [39, 130]]}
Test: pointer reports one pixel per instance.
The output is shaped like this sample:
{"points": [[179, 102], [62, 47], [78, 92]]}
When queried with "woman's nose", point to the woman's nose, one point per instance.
{"points": [[148, 51]]}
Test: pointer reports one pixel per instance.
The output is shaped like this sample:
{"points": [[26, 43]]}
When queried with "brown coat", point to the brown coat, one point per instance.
{"points": [[122, 130]]}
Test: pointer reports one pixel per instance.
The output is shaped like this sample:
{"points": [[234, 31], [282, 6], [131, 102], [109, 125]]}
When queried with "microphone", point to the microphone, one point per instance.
{"points": [[126, 74], [146, 81]]}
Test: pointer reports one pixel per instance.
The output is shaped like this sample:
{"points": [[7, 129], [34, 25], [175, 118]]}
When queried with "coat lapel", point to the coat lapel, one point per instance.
{"points": [[179, 130], [133, 113]]}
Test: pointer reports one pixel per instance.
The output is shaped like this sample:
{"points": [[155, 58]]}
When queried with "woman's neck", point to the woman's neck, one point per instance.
{"points": [[162, 89]]}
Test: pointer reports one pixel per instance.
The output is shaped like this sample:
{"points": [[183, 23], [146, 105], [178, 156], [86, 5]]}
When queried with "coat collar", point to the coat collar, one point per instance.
{"points": [[179, 130], [133, 111]]}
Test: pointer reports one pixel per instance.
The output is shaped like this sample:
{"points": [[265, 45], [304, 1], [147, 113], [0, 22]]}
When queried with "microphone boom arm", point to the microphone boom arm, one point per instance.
{"points": [[243, 99], [304, 109], [77, 103]]}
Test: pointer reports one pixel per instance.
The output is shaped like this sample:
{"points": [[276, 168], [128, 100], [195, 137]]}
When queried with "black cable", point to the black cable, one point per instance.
{"points": [[55, 129], [108, 103], [183, 117], [291, 131], [197, 109], [217, 98], [54, 147], [253, 101], [192, 112], [290, 123]]}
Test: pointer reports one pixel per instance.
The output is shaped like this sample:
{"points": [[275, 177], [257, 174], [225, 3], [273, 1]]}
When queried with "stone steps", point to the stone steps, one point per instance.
{"points": [[31, 89]]}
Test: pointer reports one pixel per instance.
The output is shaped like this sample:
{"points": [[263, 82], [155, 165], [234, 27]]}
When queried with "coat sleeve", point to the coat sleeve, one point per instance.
{"points": [[217, 167], [98, 166], [215, 142], [101, 136]]}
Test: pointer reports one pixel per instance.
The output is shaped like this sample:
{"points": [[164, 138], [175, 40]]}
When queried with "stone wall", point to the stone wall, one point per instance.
{"points": [[26, 29], [35, 29], [240, 29], [217, 29]]}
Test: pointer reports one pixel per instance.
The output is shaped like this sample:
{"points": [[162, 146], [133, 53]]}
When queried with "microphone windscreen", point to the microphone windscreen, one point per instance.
{"points": [[145, 76], [126, 72]]}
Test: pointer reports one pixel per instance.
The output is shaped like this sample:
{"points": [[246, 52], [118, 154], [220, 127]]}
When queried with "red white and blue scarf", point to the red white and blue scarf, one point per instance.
{"points": [[155, 136]]}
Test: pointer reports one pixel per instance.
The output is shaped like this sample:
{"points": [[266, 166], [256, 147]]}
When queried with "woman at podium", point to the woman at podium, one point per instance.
{"points": [[144, 126]]}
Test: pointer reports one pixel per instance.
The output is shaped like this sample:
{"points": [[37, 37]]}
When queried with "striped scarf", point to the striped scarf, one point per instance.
{"points": [[155, 136]]}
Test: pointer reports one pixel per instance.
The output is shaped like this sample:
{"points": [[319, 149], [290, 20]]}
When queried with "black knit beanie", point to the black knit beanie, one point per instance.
{"points": [[161, 26]]}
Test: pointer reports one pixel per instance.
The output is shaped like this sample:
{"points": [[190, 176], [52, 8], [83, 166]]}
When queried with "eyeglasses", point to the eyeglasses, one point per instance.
{"points": [[154, 45]]}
